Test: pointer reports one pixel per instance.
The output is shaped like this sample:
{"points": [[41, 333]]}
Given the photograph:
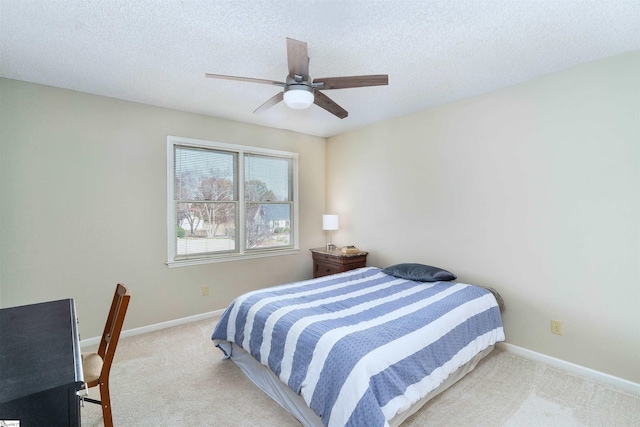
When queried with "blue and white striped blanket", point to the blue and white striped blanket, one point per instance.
{"points": [[362, 346]]}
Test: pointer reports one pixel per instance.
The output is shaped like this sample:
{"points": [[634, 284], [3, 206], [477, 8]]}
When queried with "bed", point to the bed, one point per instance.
{"points": [[367, 347]]}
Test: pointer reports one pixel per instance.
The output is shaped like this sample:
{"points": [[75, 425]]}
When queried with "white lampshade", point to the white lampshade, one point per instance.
{"points": [[298, 99], [329, 222]]}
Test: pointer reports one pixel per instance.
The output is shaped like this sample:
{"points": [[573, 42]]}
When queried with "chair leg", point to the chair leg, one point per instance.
{"points": [[105, 399]]}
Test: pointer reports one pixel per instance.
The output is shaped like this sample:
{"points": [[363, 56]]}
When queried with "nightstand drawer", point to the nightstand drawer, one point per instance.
{"points": [[329, 260], [325, 269]]}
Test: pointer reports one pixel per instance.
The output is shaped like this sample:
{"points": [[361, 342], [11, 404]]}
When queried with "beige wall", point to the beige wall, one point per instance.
{"points": [[533, 190], [83, 206]]}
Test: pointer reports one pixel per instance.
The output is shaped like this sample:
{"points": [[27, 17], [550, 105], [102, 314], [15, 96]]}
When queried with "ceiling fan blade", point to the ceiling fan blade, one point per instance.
{"points": [[323, 101], [245, 79], [298, 58], [353, 81], [270, 102]]}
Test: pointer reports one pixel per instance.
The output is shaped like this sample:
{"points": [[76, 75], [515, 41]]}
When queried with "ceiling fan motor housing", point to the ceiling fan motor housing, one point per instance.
{"points": [[298, 96]]}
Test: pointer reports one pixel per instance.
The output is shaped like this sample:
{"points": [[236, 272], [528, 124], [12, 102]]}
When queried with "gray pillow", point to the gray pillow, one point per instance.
{"points": [[419, 273]]}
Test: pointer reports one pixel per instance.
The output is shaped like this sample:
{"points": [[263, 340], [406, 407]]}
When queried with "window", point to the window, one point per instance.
{"points": [[228, 202]]}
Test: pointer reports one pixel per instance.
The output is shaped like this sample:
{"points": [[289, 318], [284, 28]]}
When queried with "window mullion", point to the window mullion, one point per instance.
{"points": [[241, 205]]}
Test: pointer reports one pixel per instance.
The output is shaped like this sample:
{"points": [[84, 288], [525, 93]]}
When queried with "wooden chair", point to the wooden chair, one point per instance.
{"points": [[96, 366]]}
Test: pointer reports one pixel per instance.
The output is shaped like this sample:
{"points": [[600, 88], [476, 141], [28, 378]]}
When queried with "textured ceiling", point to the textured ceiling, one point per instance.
{"points": [[435, 52]]}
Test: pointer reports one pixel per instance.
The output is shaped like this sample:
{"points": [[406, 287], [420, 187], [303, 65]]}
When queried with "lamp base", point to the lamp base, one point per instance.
{"points": [[331, 247]]}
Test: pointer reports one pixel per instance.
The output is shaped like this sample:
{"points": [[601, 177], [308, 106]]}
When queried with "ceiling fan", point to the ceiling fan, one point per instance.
{"points": [[299, 92]]}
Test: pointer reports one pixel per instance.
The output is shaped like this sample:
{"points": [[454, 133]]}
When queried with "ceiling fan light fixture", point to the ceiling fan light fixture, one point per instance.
{"points": [[298, 98]]}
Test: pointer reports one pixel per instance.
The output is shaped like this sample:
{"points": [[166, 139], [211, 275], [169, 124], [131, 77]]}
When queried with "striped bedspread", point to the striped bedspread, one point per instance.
{"points": [[362, 346]]}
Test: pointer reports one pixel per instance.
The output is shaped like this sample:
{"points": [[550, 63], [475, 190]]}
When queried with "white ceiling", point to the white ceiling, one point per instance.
{"points": [[435, 52]]}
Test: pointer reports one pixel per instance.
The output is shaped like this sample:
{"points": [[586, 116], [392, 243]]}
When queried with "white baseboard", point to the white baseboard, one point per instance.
{"points": [[626, 385], [156, 327]]}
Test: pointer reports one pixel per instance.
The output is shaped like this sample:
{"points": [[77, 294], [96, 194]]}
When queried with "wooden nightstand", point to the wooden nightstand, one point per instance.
{"points": [[331, 262]]}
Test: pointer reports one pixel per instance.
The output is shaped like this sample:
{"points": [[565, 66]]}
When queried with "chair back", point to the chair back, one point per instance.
{"points": [[113, 327]]}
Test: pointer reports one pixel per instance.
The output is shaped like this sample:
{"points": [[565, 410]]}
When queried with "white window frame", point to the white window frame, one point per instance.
{"points": [[242, 252]]}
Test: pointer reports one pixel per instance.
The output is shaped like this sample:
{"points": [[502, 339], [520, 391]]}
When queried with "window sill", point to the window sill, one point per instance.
{"points": [[230, 257]]}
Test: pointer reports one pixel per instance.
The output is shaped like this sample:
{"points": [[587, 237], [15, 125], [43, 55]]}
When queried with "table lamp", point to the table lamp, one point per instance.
{"points": [[329, 223]]}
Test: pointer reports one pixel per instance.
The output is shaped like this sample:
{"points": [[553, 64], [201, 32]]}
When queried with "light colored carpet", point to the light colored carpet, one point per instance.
{"points": [[176, 377]]}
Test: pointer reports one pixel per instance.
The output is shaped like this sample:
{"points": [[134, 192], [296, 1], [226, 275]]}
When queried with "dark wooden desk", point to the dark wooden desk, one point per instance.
{"points": [[40, 364]]}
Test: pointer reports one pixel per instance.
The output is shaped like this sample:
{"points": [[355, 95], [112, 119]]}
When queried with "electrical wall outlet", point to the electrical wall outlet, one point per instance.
{"points": [[205, 290], [556, 327]]}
